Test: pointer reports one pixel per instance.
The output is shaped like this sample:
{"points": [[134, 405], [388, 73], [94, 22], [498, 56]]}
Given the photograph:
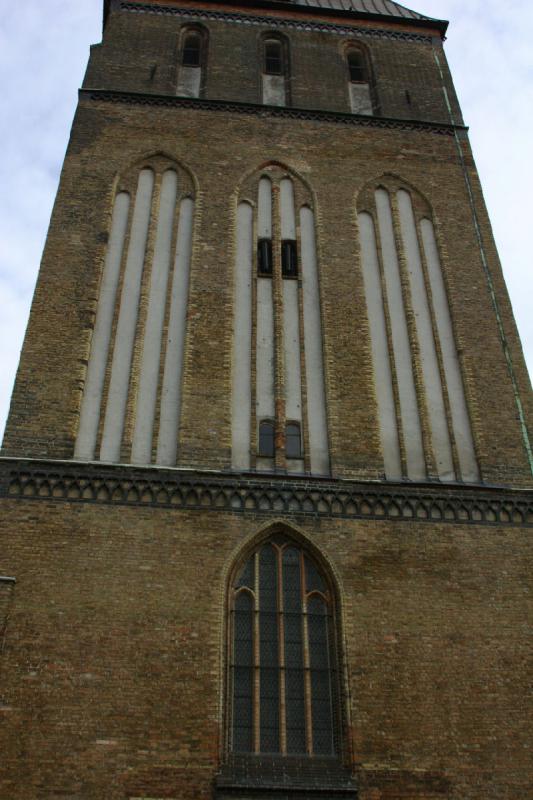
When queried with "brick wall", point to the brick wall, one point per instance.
{"points": [[113, 670]]}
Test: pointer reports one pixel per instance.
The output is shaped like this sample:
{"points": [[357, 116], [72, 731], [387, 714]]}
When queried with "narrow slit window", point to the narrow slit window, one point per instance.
{"points": [[356, 65], [266, 439], [192, 48], [289, 259], [273, 58], [264, 257], [293, 440]]}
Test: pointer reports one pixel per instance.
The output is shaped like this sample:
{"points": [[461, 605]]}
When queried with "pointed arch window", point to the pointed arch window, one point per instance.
{"points": [[283, 663]]}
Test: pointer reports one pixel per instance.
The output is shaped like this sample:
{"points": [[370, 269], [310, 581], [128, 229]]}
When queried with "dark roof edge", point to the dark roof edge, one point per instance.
{"points": [[277, 5], [107, 4], [439, 24]]}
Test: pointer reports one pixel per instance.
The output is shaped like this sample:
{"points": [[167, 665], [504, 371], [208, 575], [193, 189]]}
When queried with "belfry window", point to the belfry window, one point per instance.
{"points": [[356, 65], [289, 259], [275, 71], [282, 661], [192, 47], [266, 439], [359, 84], [293, 440], [264, 257], [273, 57], [191, 73]]}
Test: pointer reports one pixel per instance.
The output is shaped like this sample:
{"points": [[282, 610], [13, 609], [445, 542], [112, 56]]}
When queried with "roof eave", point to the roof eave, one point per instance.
{"points": [[434, 24]]}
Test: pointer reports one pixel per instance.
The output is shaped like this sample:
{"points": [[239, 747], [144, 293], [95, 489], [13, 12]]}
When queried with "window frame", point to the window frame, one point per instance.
{"points": [[189, 34], [294, 424], [281, 540], [263, 423], [271, 37], [280, 58], [354, 50], [289, 259]]}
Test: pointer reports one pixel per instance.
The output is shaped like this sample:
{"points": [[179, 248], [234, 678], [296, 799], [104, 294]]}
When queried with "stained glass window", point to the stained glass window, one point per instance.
{"points": [[283, 673]]}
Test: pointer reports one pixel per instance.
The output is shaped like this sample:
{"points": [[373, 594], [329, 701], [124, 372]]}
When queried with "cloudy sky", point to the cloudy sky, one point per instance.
{"points": [[44, 48]]}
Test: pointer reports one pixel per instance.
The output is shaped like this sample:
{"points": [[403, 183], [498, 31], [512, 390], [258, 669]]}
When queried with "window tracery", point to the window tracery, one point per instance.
{"points": [[283, 662]]}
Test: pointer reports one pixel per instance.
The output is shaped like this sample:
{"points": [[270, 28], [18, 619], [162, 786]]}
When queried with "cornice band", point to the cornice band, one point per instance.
{"points": [[280, 23], [358, 120], [120, 485]]}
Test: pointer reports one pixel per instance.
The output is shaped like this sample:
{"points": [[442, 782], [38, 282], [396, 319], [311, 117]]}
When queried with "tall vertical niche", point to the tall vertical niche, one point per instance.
{"points": [[424, 420], [279, 418], [130, 407]]}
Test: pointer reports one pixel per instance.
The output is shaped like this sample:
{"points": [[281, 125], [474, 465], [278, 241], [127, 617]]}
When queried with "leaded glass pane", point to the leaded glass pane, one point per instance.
{"points": [[246, 577], [295, 711], [268, 650], [269, 712], [321, 694], [268, 579], [243, 672], [314, 580], [292, 592]]}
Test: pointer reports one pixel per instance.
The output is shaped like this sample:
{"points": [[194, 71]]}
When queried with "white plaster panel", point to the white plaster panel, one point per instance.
{"points": [[452, 370], [141, 452], [189, 82], [380, 350], [94, 382], [242, 341], [265, 350], [291, 348], [167, 442], [127, 321], [286, 203], [274, 90], [440, 435], [314, 365], [411, 428], [264, 464], [360, 99], [264, 209]]}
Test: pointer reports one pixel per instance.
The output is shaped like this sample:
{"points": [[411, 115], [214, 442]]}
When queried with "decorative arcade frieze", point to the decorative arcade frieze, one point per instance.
{"points": [[275, 495]]}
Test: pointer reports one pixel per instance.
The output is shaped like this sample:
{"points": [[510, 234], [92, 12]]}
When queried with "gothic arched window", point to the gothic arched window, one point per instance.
{"points": [[283, 663]]}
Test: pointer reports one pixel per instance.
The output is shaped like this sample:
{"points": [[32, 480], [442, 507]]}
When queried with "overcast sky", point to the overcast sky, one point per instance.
{"points": [[44, 46]]}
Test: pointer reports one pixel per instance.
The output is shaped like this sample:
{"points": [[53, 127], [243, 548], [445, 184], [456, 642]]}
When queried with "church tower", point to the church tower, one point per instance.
{"points": [[267, 478]]}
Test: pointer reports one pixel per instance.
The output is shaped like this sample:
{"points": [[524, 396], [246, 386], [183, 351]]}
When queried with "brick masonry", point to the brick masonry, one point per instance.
{"points": [[113, 638]]}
